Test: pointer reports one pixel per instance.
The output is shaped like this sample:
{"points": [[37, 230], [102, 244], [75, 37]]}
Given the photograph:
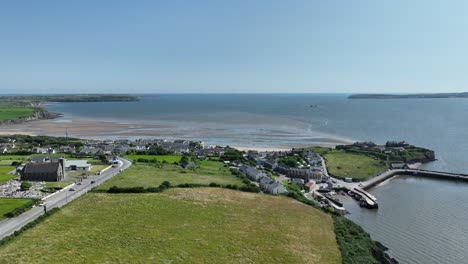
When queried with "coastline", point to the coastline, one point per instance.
{"points": [[87, 128]]}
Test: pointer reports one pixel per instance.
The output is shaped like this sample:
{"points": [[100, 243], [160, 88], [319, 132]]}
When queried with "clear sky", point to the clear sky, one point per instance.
{"points": [[310, 46]]}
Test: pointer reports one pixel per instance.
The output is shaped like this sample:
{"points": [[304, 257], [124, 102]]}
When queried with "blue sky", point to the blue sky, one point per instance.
{"points": [[307, 46]]}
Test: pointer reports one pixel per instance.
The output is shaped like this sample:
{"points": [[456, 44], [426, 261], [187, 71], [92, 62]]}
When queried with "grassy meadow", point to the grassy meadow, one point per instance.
{"points": [[11, 113], [198, 225], [151, 175], [9, 159], [356, 166], [9, 204], [160, 158], [4, 173]]}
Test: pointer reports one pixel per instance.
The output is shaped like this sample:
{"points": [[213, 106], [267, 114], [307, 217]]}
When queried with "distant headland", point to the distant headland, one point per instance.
{"points": [[21, 108], [69, 98], [409, 96]]}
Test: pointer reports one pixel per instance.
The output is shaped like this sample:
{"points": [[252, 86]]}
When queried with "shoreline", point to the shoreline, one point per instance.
{"points": [[98, 129]]}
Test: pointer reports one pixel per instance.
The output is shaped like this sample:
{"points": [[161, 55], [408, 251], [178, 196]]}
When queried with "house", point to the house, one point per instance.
{"points": [[44, 171], [3, 149], [243, 168], [42, 159], [298, 181], [309, 186], [90, 151], [254, 174], [67, 149], [277, 188], [270, 164], [271, 186], [43, 150], [77, 165]]}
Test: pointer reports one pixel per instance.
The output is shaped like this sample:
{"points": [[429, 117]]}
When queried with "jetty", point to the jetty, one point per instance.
{"points": [[412, 172], [369, 201]]}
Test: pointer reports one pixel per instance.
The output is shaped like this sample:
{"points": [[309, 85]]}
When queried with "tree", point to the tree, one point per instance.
{"points": [[25, 186]]}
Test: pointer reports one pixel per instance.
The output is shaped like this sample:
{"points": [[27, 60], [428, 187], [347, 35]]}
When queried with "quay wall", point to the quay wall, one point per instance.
{"points": [[414, 172]]}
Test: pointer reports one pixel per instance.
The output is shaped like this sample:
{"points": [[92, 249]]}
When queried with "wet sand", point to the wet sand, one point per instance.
{"points": [[95, 129]]}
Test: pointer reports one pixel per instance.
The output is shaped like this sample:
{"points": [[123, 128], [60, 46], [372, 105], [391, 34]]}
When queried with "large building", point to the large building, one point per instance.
{"points": [[44, 171]]}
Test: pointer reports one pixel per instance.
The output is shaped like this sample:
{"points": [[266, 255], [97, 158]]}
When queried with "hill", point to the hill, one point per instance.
{"points": [[201, 225], [409, 96]]}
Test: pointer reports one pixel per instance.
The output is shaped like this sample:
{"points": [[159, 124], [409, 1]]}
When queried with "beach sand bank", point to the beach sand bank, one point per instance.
{"points": [[96, 129]]}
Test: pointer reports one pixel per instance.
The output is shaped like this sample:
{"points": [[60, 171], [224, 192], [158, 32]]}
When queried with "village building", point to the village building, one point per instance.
{"points": [[77, 165], [43, 171]]}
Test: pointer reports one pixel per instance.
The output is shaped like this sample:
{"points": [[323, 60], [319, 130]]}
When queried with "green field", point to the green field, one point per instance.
{"points": [[149, 175], [8, 159], [198, 225], [342, 164], [11, 113], [4, 173], [9, 204], [160, 158]]}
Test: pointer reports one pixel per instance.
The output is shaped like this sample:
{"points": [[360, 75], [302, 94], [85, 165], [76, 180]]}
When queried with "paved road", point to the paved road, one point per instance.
{"points": [[59, 199]]}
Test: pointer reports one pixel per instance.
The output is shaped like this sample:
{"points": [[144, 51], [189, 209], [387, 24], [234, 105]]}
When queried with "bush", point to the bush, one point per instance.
{"points": [[115, 189], [355, 244], [25, 186]]}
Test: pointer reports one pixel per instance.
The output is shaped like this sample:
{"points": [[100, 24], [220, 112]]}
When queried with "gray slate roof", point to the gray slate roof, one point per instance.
{"points": [[46, 167]]}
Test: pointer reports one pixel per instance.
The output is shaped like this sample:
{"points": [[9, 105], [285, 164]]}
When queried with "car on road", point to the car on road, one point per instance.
{"points": [[41, 204], [92, 182], [72, 190]]}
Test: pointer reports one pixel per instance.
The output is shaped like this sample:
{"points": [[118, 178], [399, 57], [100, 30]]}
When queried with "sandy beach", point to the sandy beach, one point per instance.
{"points": [[96, 129]]}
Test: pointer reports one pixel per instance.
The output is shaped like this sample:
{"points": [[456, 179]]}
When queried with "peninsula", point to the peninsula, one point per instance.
{"points": [[21, 108], [409, 96]]}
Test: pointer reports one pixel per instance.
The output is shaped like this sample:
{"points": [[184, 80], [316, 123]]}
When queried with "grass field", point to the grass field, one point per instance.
{"points": [[8, 159], [4, 173], [160, 158], [11, 113], [198, 225], [8, 204], [342, 164], [148, 175]]}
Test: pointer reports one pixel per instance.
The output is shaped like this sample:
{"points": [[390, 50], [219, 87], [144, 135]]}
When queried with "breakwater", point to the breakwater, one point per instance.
{"points": [[412, 172]]}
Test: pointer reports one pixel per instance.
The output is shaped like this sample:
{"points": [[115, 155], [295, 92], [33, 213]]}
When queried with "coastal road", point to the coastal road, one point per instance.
{"points": [[59, 199]]}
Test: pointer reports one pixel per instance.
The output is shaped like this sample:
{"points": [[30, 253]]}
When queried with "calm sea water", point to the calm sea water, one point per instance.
{"points": [[421, 220]]}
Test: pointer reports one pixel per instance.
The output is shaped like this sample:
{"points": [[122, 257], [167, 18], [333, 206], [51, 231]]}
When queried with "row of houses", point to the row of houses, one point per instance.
{"points": [[123, 146], [266, 183]]}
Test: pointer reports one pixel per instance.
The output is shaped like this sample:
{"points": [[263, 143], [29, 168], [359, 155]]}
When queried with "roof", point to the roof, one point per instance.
{"points": [[45, 158], [46, 167], [253, 171], [77, 163]]}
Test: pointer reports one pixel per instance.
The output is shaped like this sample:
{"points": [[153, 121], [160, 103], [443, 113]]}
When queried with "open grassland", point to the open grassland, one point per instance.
{"points": [[12, 113], [160, 158], [198, 225], [356, 166], [149, 175], [9, 159], [4, 173], [9, 204]]}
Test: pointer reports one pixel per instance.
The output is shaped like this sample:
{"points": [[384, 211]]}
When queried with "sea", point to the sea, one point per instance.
{"points": [[420, 220]]}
